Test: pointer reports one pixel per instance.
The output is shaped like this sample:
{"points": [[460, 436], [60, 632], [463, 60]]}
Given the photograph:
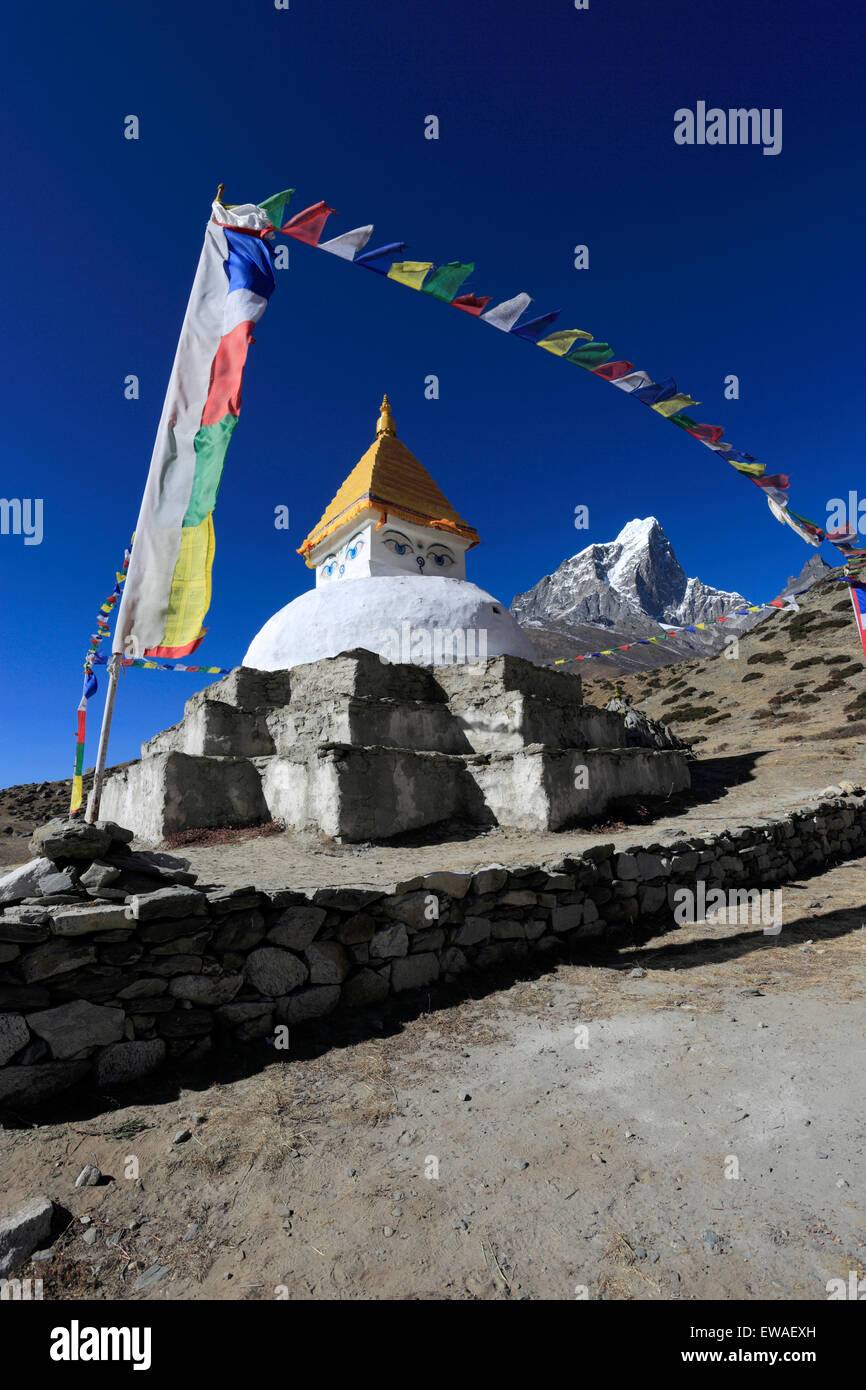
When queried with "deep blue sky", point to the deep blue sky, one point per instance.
{"points": [[556, 129]]}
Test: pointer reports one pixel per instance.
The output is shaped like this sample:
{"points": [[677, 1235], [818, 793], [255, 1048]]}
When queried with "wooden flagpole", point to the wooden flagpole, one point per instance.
{"points": [[99, 774]]}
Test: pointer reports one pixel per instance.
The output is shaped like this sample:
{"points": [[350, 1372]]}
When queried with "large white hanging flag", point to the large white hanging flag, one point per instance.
{"points": [[167, 591]]}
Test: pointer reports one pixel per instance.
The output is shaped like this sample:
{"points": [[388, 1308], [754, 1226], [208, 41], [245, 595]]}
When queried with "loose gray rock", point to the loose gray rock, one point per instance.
{"points": [[150, 1277], [89, 1176], [56, 884], [23, 1232], [99, 875], [26, 880]]}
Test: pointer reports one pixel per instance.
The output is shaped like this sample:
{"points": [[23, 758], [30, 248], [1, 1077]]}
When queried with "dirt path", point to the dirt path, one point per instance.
{"points": [[559, 1166]]}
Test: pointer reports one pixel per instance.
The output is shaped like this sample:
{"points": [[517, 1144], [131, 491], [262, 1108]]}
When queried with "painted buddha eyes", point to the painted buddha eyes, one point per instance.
{"points": [[396, 541], [438, 555], [336, 563]]}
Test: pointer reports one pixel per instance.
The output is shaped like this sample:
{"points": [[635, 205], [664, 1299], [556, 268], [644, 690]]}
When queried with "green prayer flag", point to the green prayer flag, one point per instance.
{"points": [[447, 279], [276, 205], [591, 355]]}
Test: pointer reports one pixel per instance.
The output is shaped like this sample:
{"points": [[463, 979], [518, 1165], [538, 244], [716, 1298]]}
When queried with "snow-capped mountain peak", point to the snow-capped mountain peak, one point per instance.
{"points": [[622, 583]]}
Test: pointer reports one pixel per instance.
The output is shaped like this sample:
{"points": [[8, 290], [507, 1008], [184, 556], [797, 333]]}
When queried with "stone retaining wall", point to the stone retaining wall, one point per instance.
{"points": [[107, 992]]}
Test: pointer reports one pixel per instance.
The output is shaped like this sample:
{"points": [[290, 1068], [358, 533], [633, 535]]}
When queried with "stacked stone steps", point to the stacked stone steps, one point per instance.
{"points": [[367, 750]]}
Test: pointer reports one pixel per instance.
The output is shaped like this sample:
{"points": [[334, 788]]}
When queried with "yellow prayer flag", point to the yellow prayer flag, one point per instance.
{"points": [[411, 273], [561, 342], [674, 404]]}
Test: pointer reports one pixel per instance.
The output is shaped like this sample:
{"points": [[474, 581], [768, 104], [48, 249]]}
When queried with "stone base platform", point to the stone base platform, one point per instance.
{"points": [[365, 750]]}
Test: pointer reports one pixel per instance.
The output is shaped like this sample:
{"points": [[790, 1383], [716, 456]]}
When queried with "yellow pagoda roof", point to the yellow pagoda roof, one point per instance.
{"points": [[389, 480]]}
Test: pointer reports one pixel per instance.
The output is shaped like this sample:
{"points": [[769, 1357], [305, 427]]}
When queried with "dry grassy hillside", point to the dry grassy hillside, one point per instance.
{"points": [[796, 677]]}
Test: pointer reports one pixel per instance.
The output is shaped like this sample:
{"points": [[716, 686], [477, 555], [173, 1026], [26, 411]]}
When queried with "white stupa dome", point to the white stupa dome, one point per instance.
{"points": [[389, 554], [400, 617]]}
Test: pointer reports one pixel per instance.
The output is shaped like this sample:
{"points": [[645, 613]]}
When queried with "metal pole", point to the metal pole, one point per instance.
{"points": [[99, 774]]}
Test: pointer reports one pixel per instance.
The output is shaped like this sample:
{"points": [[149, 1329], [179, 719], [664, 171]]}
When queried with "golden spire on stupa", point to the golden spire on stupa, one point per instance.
{"points": [[386, 420], [388, 481]]}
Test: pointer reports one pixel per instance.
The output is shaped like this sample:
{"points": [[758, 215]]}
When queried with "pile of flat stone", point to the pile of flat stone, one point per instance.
{"points": [[75, 864], [644, 732]]}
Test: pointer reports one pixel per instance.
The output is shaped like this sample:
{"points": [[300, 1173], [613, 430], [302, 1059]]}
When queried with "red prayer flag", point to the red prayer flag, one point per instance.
{"points": [[308, 225], [471, 303], [709, 434], [773, 480], [612, 371]]}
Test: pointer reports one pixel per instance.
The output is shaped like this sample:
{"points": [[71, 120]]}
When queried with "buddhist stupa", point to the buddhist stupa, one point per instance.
{"points": [[390, 560]]}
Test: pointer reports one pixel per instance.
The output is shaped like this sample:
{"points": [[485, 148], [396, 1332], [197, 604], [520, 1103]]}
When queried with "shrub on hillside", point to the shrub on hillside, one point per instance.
{"points": [[831, 624], [681, 694], [691, 712]]}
